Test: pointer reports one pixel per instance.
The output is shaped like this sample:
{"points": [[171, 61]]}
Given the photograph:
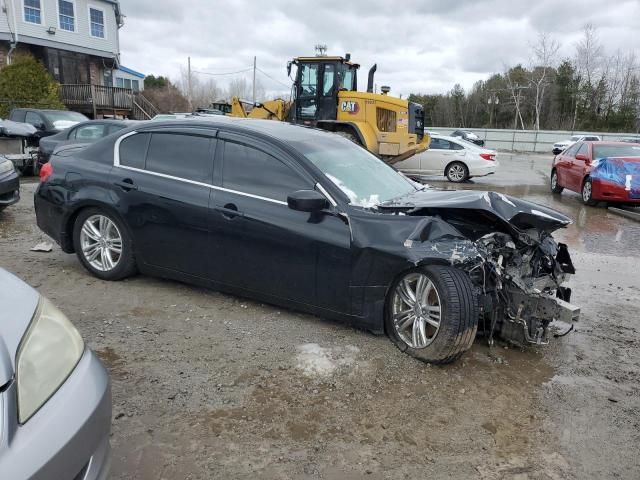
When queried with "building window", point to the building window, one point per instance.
{"points": [[135, 85], [66, 15], [32, 11], [96, 19]]}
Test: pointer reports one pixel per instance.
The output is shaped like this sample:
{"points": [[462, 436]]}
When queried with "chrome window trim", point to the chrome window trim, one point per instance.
{"points": [[116, 163], [324, 192]]}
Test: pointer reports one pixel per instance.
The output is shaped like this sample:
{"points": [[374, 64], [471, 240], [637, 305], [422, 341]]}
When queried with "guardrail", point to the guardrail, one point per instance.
{"points": [[540, 141]]}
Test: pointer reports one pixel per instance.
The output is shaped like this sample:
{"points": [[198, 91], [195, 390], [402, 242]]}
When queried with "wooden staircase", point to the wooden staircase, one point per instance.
{"points": [[97, 100]]}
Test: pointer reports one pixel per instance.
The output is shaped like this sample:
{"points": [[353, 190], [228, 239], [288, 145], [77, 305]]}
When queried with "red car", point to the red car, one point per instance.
{"points": [[600, 171]]}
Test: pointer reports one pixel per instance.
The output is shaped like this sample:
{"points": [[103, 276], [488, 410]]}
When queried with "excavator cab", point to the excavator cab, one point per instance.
{"points": [[317, 83]]}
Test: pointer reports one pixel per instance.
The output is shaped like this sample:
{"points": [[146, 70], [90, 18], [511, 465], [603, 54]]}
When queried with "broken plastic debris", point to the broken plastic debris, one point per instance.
{"points": [[42, 247]]}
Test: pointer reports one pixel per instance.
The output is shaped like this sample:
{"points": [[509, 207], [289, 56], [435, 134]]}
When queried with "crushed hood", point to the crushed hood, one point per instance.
{"points": [[519, 213]]}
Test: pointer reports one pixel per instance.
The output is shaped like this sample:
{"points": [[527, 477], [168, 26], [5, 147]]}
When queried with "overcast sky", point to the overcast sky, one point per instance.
{"points": [[419, 45]]}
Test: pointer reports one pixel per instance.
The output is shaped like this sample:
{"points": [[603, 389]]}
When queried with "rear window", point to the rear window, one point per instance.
{"points": [[604, 151], [133, 150]]}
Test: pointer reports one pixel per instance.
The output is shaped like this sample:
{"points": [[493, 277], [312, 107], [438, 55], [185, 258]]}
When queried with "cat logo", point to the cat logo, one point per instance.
{"points": [[350, 107]]}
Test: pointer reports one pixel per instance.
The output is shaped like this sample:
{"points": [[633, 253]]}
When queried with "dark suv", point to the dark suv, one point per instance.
{"points": [[47, 122]]}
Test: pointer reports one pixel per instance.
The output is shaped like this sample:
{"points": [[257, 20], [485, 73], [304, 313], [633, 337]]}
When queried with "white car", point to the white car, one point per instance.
{"points": [[563, 145], [456, 159]]}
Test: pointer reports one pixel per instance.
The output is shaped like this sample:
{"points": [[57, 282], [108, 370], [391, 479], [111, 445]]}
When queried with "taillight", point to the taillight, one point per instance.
{"points": [[45, 172], [488, 156]]}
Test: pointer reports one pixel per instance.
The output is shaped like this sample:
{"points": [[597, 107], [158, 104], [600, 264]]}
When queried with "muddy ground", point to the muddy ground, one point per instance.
{"points": [[207, 385]]}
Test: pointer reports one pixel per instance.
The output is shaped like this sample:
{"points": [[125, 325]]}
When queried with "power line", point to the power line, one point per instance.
{"points": [[269, 76], [225, 73]]}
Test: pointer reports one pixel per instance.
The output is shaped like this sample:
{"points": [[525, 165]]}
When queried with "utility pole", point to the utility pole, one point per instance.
{"points": [[189, 83], [254, 80]]}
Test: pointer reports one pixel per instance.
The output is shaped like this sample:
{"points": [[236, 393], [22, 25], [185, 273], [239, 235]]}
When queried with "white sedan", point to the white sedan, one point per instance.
{"points": [[456, 159]]}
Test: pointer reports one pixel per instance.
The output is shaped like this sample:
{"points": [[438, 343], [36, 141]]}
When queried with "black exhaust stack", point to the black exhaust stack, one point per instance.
{"points": [[372, 72]]}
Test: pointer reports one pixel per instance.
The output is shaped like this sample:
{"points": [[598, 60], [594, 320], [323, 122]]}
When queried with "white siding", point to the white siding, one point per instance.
{"points": [[81, 37]]}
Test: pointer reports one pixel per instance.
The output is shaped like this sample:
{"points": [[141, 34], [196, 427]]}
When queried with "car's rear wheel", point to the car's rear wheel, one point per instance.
{"points": [[103, 245], [587, 193], [432, 313], [555, 186], [457, 172]]}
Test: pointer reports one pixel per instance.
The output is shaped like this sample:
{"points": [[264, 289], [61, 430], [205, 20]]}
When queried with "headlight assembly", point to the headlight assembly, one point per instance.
{"points": [[50, 350], [6, 166]]}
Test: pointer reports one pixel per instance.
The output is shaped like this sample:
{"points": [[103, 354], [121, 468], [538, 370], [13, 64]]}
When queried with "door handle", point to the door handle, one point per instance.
{"points": [[229, 211], [126, 184]]}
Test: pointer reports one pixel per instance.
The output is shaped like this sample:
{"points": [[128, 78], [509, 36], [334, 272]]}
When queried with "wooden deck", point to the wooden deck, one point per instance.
{"points": [[98, 99]]}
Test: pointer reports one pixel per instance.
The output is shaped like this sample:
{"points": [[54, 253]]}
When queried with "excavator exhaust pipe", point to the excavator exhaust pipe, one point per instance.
{"points": [[372, 72]]}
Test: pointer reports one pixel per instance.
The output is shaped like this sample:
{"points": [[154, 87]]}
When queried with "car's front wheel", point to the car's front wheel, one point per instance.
{"points": [[555, 186], [587, 193], [432, 313], [457, 172], [103, 245]]}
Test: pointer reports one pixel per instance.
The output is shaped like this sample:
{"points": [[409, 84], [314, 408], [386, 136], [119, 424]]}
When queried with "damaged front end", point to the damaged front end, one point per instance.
{"points": [[521, 284], [506, 247]]}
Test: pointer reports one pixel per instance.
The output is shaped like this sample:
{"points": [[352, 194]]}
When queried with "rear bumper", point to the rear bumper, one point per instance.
{"points": [[68, 438], [9, 189], [607, 191], [481, 171]]}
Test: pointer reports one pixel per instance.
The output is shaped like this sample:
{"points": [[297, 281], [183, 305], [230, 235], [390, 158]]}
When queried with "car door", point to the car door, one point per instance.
{"points": [[563, 166], [439, 155], [163, 181], [579, 166], [260, 244]]}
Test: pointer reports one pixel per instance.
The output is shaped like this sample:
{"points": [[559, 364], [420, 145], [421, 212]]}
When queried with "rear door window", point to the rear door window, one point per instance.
{"points": [[181, 155], [456, 146], [249, 170], [133, 150]]}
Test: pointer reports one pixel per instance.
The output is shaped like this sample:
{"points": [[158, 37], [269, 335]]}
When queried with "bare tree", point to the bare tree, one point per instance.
{"points": [[204, 90], [515, 91], [588, 65], [544, 58]]}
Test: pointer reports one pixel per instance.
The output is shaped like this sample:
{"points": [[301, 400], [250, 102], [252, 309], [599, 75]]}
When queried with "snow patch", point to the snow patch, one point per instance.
{"points": [[317, 361]]}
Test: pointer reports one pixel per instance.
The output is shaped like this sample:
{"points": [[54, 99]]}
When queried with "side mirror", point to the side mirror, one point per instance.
{"points": [[306, 201], [39, 125], [288, 69], [582, 156]]}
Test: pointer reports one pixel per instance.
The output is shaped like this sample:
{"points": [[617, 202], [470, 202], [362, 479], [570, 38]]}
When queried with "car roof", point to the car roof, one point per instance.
{"points": [[607, 142], [283, 131]]}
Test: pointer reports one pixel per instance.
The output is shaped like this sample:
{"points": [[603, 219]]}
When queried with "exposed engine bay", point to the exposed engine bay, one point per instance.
{"points": [[506, 247]]}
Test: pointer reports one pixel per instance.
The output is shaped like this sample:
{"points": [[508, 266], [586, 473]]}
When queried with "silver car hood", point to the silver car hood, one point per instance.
{"points": [[18, 302]]}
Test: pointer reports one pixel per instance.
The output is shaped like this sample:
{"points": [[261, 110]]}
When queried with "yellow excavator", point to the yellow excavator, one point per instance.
{"points": [[325, 95]]}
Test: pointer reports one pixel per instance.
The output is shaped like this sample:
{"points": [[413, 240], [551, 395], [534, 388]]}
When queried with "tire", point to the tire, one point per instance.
{"points": [[587, 193], [555, 186], [458, 314], [457, 172], [94, 232]]}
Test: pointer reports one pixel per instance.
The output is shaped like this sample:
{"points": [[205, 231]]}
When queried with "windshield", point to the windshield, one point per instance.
{"points": [[605, 151], [361, 176], [64, 118]]}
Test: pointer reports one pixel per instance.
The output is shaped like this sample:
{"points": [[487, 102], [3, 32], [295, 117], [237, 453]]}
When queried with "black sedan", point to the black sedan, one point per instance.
{"points": [[9, 184], [307, 219], [468, 136], [85, 132]]}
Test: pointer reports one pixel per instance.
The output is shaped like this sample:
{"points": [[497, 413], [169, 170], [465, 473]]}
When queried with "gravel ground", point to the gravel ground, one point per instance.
{"points": [[207, 385]]}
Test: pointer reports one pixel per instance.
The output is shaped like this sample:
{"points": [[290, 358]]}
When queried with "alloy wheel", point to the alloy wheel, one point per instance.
{"points": [[456, 173], [101, 242], [416, 310], [586, 191]]}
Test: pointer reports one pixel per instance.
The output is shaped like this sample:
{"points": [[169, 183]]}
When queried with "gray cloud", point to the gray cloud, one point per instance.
{"points": [[419, 45]]}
